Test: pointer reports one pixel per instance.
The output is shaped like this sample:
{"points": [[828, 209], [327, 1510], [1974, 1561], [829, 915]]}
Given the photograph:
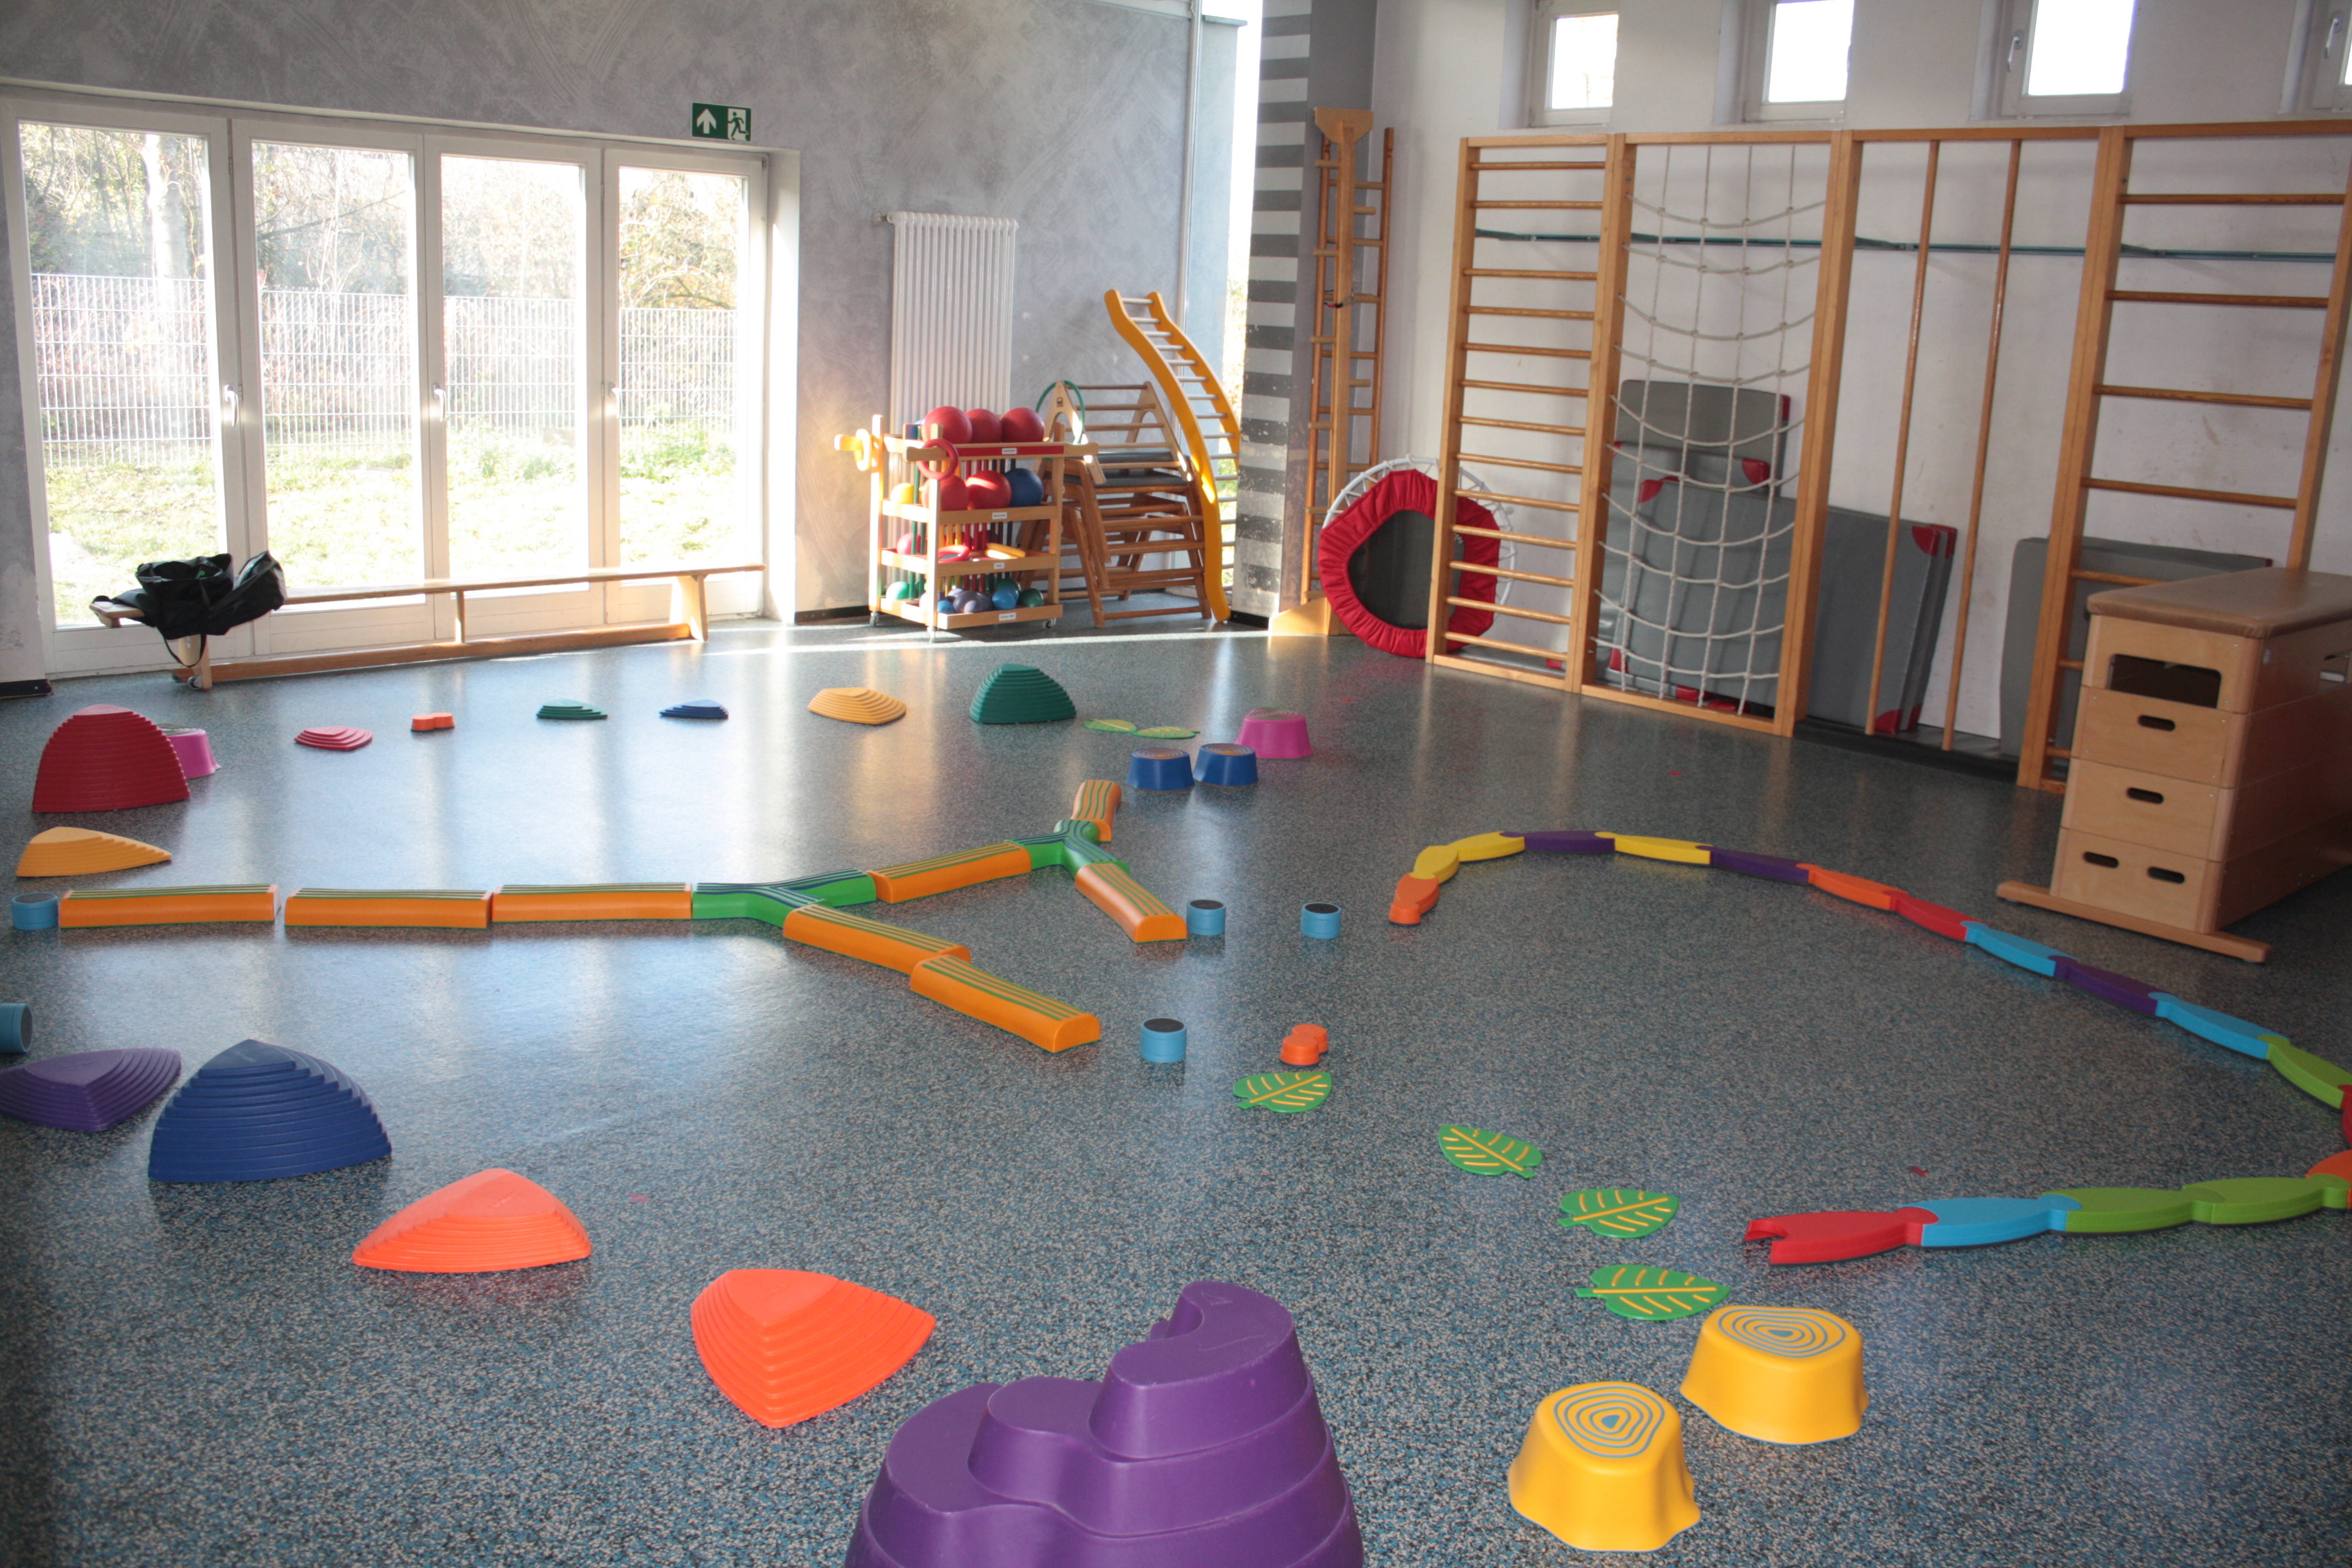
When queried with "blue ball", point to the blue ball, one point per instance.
{"points": [[1006, 595], [1028, 489]]}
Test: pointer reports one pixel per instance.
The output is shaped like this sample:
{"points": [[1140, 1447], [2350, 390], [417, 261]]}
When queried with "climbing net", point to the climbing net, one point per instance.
{"points": [[1719, 300]]}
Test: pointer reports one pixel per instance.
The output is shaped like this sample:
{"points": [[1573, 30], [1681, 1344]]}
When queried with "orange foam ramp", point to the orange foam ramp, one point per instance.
{"points": [[493, 1220], [945, 873], [247, 902], [1045, 1022], [1139, 914], [596, 902], [460, 908], [785, 1345], [79, 851], [1877, 895], [855, 936], [1097, 802]]}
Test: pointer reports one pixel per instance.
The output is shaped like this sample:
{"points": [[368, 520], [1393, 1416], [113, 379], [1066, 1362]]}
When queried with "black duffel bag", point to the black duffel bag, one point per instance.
{"points": [[199, 598]]}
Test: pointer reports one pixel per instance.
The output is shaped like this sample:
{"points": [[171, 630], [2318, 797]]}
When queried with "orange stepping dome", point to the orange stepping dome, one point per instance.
{"points": [[856, 705], [855, 936], [785, 1345], [492, 1221], [945, 873], [107, 759], [1116, 893], [79, 851], [1048, 1024]]}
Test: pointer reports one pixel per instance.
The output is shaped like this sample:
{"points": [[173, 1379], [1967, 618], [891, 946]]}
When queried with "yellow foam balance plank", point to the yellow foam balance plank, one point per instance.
{"points": [[858, 705], [855, 936], [1097, 802], [1052, 1026], [1118, 894], [945, 873], [593, 901], [460, 908], [1437, 863], [1682, 851], [1487, 847], [246, 903], [79, 851]]}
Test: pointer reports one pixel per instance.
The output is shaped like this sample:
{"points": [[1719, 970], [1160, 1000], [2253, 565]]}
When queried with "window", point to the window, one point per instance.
{"points": [[1797, 55], [2325, 80], [2064, 56], [383, 354], [1574, 64]]}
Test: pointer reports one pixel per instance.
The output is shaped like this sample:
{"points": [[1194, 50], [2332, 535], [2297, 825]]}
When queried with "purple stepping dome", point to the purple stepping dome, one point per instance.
{"points": [[1567, 841], [1770, 867], [89, 1091], [1203, 1444], [2121, 990]]}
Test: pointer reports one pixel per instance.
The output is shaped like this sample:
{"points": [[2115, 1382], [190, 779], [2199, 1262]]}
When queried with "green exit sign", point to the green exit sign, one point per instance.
{"points": [[721, 122]]}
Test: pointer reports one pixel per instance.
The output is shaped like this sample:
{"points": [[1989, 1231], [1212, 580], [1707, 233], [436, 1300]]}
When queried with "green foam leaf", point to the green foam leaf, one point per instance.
{"points": [[1618, 1211], [1653, 1295], [1483, 1154], [1285, 1090], [1117, 726], [1167, 732]]}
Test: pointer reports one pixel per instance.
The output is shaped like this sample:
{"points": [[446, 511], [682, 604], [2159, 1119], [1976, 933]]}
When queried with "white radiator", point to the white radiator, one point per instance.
{"points": [[950, 313]]}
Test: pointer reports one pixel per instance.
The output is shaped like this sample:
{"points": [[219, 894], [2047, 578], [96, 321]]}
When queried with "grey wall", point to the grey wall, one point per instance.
{"points": [[1064, 114]]}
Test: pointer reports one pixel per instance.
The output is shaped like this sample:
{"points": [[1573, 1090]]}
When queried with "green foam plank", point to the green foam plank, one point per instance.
{"points": [[836, 889], [2253, 1200], [1045, 849], [2322, 1080], [2113, 1211]]}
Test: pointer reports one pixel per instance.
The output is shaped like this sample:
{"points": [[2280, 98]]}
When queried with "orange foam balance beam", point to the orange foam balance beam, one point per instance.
{"points": [[1877, 895], [855, 936], [945, 873], [595, 901], [1097, 802], [492, 1221], [1414, 897], [1118, 894], [253, 903], [463, 909], [1042, 1022]]}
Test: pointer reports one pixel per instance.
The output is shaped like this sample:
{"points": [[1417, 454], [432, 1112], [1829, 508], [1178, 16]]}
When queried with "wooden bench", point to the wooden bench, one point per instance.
{"points": [[689, 622]]}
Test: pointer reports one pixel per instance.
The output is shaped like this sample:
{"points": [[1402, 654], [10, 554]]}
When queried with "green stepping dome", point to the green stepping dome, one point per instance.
{"points": [[570, 709], [1021, 694]]}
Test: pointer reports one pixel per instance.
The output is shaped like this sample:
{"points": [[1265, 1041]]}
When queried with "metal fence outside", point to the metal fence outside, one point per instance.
{"points": [[126, 370]]}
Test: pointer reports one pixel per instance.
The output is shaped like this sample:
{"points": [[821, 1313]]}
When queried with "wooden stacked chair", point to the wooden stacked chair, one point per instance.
{"points": [[1135, 514]]}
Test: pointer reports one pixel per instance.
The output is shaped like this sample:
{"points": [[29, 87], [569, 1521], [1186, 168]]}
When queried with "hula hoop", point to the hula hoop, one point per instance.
{"points": [[1404, 490]]}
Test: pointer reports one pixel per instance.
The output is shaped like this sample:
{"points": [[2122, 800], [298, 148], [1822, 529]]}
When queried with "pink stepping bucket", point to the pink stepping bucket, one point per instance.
{"points": [[195, 753], [1274, 733]]}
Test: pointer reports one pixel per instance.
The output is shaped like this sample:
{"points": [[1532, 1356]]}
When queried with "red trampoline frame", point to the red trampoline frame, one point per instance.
{"points": [[1404, 489]]}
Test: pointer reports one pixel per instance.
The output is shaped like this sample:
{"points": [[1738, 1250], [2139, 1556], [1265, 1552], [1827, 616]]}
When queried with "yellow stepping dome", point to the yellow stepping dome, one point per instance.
{"points": [[1602, 1469], [858, 705], [1784, 1375], [79, 851]]}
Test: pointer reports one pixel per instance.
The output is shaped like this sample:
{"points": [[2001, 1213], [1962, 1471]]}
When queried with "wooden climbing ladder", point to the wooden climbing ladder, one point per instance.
{"points": [[1205, 418], [2089, 393], [1343, 421]]}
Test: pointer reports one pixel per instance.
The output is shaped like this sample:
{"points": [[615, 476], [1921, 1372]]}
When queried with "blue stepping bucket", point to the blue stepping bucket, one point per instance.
{"points": [[1319, 919], [1205, 917], [34, 911], [15, 1026], [1225, 764], [1158, 767], [1163, 1040]]}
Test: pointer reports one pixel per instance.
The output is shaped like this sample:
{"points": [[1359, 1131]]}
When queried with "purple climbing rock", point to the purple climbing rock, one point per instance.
{"points": [[1203, 1444], [1770, 867], [89, 1091]]}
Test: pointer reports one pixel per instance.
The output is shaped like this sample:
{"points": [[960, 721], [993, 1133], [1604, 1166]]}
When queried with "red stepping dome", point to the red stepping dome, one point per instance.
{"points": [[492, 1221], [785, 1345], [108, 759], [335, 740]]}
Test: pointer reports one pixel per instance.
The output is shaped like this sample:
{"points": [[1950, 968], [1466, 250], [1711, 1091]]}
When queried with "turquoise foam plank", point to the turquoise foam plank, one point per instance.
{"points": [[1979, 1222], [2219, 1027], [2025, 954]]}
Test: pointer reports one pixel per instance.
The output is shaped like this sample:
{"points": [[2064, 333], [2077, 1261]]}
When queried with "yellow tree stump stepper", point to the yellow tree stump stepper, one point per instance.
{"points": [[1781, 1375], [1602, 1468]]}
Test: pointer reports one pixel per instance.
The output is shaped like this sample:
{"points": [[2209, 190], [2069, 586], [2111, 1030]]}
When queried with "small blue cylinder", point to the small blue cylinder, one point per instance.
{"points": [[34, 911], [1223, 764], [1205, 917], [1158, 767], [15, 1026], [1163, 1040], [1319, 919]]}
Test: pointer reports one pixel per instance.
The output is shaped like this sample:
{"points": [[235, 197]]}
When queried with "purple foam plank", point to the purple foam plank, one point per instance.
{"points": [[2121, 990], [1566, 841], [88, 1091], [1770, 867]]}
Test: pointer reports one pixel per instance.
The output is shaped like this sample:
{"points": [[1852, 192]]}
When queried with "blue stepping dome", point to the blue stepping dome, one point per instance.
{"points": [[700, 708], [257, 1112]]}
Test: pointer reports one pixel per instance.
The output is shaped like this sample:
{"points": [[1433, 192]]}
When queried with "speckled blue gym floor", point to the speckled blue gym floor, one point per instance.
{"points": [[199, 1374]]}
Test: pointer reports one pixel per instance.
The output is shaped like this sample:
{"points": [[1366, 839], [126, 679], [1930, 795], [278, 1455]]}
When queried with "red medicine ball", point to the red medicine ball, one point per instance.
{"points": [[984, 425], [953, 425]]}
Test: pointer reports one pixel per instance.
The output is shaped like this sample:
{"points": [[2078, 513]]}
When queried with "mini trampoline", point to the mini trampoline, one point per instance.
{"points": [[1374, 558]]}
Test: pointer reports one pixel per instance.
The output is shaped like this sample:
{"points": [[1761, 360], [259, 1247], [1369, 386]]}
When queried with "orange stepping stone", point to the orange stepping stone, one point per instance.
{"points": [[492, 1221], [424, 721], [785, 1345], [78, 851], [858, 705]]}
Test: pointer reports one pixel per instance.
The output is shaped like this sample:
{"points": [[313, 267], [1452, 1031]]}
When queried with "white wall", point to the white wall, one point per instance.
{"points": [[1447, 68]]}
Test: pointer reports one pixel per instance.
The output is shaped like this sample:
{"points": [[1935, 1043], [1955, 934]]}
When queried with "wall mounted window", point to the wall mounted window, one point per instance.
{"points": [[2064, 56], [383, 352], [1797, 55], [1572, 63], [2327, 60]]}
